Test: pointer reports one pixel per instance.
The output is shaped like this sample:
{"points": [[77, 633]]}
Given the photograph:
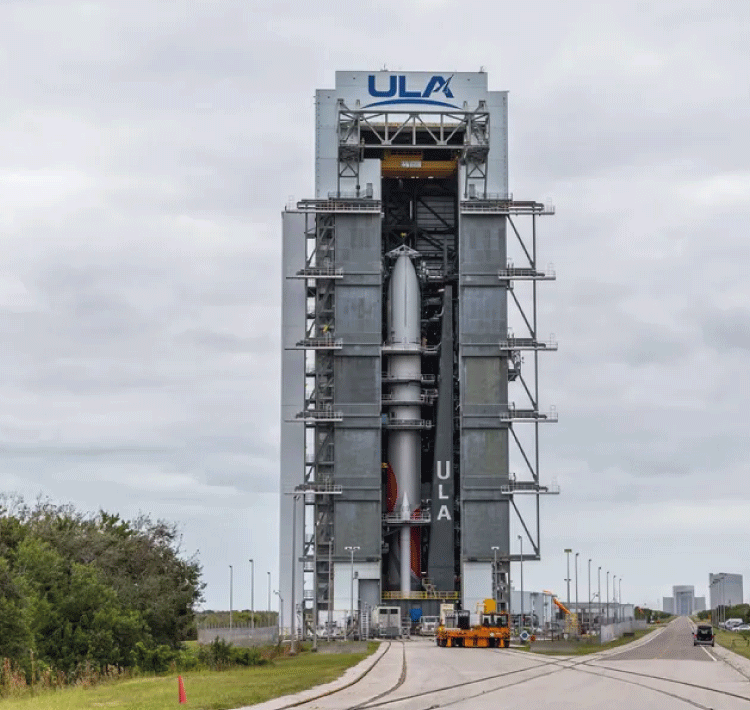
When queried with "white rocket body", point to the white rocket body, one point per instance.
{"points": [[404, 451]]}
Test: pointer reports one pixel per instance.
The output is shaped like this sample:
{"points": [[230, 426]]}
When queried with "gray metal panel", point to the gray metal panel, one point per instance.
{"points": [[483, 322], [357, 523], [292, 449], [326, 143], [488, 524], [358, 461], [497, 168], [358, 387], [358, 242], [359, 314]]}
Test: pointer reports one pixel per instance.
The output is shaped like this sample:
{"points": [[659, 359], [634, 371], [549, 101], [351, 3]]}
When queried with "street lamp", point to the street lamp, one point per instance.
{"points": [[281, 614], [351, 550], [607, 597], [231, 584], [567, 579], [599, 594], [578, 613], [494, 549], [269, 598], [614, 596], [588, 611], [520, 539], [619, 596], [252, 594]]}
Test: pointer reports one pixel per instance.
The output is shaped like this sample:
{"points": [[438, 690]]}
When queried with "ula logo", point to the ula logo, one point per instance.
{"points": [[397, 91]]}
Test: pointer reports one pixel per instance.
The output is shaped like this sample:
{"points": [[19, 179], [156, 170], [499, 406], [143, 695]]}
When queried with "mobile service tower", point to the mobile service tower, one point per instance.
{"points": [[403, 448]]}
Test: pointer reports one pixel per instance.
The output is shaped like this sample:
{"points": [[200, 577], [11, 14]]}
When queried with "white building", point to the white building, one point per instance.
{"points": [[725, 589]]}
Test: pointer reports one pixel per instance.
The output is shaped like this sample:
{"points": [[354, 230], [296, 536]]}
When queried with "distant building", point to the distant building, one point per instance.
{"points": [[667, 605], [700, 604], [725, 589], [684, 599]]}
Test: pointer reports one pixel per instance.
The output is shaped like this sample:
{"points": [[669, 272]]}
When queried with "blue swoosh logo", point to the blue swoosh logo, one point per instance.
{"points": [[427, 102]]}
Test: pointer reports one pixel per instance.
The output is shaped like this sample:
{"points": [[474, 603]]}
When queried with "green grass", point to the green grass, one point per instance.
{"points": [[734, 641], [582, 648], [205, 690]]}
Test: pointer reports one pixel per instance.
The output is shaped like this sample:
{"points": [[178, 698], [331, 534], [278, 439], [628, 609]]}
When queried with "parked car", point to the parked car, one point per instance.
{"points": [[741, 627], [703, 635]]}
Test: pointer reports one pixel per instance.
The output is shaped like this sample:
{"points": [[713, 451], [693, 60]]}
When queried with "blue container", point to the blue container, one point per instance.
{"points": [[415, 614]]}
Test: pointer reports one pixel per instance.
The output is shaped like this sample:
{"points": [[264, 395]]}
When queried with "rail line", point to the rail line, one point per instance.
{"points": [[582, 666]]}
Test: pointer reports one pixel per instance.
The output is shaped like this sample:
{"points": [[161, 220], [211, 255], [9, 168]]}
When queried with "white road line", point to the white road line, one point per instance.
{"points": [[710, 655]]}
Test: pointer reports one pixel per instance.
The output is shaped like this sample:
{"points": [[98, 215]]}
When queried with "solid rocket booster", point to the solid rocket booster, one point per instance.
{"points": [[405, 367]]}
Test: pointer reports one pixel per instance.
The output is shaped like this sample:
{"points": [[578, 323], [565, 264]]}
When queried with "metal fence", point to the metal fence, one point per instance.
{"points": [[244, 636]]}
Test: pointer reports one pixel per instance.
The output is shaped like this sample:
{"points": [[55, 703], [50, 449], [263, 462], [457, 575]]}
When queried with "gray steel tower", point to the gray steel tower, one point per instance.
{"points": [[398, 432]]}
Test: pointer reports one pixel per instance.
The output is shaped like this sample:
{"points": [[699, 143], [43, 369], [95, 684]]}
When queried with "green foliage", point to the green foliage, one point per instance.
{"points": [[221, 654], [82, 594], [154, 659]]}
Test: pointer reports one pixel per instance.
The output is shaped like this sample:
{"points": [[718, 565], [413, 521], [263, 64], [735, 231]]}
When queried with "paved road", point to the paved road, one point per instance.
{"points": [[674, 642], [663, 671]]}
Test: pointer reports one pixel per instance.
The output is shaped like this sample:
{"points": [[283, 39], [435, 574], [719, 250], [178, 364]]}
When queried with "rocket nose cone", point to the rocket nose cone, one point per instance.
{"points": [[404, 302], [405, 507]]}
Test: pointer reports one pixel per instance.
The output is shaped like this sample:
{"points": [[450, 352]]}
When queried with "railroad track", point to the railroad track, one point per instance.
{"points": [[454, 694]]}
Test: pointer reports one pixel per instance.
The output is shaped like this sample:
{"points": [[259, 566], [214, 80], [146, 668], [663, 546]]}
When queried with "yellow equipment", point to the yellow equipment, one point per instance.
{"points": [[491, 632]]}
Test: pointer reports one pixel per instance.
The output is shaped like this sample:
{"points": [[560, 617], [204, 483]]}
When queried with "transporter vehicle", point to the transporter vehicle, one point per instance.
{"points": [[703, 635], [491, 632]]}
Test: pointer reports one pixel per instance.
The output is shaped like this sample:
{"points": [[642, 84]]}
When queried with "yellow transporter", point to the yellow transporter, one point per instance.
{"points": [[491, 632]]}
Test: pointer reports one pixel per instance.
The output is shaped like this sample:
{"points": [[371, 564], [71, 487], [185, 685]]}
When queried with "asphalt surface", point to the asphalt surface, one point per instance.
{"points": [[662, 671], [675, 642]]}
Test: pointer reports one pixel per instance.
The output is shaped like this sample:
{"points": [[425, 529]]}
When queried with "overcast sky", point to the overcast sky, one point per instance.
{"points": [[147, 149]]}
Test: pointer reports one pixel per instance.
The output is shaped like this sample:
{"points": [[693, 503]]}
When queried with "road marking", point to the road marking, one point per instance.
{"points": [[710, 655]]}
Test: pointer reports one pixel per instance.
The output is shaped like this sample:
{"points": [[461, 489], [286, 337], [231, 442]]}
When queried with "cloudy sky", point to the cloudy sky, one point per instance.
{"points": [[147, 149]]}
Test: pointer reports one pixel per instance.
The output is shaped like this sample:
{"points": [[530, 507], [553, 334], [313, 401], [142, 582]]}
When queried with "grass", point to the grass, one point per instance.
{"points": [[205, 690], [582, 648], [735, 641]]}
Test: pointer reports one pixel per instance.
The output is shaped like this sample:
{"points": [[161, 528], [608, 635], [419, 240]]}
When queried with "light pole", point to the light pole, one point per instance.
{"points": [[494, 549], [269, 598], [567, 579], [520, 539], [607, 596], [599, 595], [293, 647], [231, 584], [588, 611], [614, 597], [351, 550], [619, 596], [578, 613], [281, 614], [252, 594], [330, 587]]}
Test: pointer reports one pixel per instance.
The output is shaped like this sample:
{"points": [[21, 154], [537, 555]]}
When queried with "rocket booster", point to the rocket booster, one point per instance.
{"points": [[404, 451]]}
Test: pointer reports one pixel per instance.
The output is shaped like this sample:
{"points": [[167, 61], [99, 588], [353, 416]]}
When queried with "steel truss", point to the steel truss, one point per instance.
{"points": [[527, 483], [464, 133]]}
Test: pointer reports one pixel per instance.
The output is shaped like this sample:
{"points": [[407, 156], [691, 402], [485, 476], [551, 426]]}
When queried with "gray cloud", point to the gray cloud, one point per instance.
{"points": [[148, 150]]}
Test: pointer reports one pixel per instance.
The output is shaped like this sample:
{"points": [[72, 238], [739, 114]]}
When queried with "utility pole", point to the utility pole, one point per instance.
{"points": [[231, 584], [521, 541], [494, 549], [352, 549], [588, 610], [578, 612], [607, 596], [599, 594], [252, 594], [269, 598]]}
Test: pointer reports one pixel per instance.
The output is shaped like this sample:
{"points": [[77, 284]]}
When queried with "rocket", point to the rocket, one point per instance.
{"points": [[404, 365]]}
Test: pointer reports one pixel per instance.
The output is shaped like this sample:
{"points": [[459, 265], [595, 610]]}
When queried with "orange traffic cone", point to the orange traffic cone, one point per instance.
{"points": [[181, 689]]}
